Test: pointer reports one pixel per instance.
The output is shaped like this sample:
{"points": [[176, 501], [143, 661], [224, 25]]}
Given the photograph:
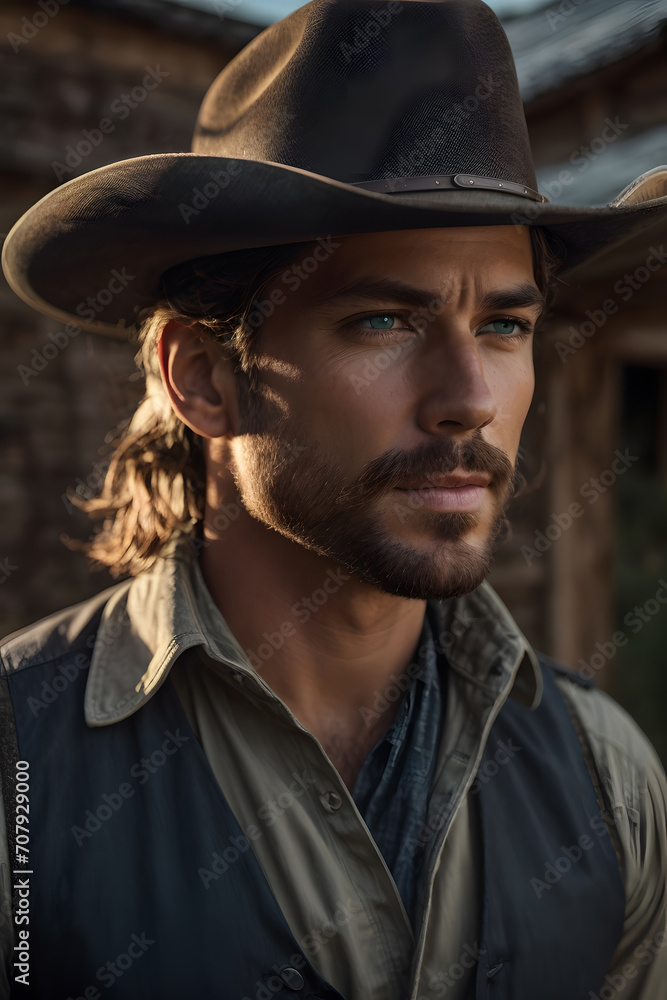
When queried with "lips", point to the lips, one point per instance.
{"points": [[453, 480]]}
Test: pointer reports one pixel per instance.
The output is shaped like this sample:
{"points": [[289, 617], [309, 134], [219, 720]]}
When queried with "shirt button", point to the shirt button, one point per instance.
{"points": [[331, 801], [238, 678], [292, 979]]}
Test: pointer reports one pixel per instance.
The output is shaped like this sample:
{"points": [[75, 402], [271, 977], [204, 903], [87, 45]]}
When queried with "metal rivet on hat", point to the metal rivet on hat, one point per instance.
{"points": [[292, 979]]}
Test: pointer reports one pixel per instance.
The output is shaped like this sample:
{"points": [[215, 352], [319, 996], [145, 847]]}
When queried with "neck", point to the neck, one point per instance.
{"points": [[327, 643]]}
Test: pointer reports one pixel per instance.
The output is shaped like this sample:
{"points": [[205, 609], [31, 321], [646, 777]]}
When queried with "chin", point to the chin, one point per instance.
{"points": [[451, 569]]}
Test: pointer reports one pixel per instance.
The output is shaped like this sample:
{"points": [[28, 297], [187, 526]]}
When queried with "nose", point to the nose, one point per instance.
{"points": [[455, 393]]}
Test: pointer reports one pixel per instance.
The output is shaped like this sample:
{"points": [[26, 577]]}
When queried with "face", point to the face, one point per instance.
{"points": [[404, 357]]}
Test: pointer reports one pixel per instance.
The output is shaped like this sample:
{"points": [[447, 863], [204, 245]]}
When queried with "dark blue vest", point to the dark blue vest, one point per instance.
{"points": [[554, 902], [122, 905]]}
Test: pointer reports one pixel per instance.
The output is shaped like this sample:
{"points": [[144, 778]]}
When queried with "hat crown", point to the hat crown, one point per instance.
{"points": [[367, 90]]}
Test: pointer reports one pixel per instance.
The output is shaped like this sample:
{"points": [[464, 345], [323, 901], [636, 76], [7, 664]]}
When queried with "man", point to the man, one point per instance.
{"points": [[304, 749]]}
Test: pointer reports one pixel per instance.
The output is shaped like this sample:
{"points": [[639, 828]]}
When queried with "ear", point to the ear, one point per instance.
{"points": [[199, 380]]}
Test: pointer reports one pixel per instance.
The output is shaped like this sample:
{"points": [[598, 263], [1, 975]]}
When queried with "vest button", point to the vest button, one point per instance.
{"points": [[292, 979], [331, 801]]}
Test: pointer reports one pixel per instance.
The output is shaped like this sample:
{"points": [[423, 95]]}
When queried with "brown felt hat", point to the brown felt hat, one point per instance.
{"points": [[348, 116]]}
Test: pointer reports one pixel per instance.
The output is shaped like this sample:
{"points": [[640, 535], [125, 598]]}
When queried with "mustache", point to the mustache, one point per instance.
{"points": [[431, 459]]}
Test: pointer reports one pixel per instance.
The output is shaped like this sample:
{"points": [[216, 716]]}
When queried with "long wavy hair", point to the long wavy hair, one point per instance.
{"points": [[156, 480]]}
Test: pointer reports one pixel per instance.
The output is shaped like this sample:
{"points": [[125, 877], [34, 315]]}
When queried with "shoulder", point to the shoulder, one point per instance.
{"points": [[608, 726], [70, 630], [632, 785], [616, 739], [630, 776]]}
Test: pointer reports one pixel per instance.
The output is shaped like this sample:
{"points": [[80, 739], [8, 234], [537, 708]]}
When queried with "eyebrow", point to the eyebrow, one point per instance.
{"points": [[521, 295]]}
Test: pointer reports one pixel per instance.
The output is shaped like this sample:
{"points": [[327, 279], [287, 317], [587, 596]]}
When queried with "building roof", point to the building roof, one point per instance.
{"points": [[568, 184], [259, 12], [570, 38]]}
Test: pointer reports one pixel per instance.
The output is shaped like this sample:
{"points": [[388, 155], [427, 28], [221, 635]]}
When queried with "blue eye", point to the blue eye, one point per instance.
{"points": [[503, 325], [381, 321], [509, 328]]}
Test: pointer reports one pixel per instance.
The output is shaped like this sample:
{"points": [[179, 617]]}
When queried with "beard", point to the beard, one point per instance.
{"points": [[286, 480]]}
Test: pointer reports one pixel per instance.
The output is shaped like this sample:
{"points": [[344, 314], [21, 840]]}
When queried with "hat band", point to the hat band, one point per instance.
{"points": [[434, 182]]}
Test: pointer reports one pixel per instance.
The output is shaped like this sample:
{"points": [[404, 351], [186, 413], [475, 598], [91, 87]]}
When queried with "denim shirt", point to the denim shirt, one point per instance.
{"points": [[393, 786]]}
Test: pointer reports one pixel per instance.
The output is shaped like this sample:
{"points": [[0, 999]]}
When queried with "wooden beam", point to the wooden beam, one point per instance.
{"points": [[638, 346], [583, 419]]}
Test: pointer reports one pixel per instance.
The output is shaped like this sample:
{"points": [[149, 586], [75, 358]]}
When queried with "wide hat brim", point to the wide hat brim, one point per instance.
{"points": [[92, 252]]}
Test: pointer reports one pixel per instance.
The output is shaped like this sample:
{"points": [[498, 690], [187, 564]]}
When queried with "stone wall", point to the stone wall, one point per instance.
{"points": [[61, 397]]}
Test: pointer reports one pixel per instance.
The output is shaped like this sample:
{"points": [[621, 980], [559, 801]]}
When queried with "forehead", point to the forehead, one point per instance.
{"points": [[474, 257]]}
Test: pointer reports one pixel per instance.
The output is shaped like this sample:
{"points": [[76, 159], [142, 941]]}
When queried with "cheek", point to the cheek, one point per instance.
{"points": [[353, 400], [521, 395], [513, 392]]}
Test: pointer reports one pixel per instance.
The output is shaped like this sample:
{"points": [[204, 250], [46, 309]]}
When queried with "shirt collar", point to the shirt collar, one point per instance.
{"points": [[150, 620]]}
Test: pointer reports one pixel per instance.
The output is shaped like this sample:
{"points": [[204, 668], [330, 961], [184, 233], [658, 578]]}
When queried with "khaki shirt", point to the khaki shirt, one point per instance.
{"points": [[327, 874]]}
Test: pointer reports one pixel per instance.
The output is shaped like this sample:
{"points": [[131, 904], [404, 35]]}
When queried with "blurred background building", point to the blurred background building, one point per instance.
{"points": [[587, 583]]}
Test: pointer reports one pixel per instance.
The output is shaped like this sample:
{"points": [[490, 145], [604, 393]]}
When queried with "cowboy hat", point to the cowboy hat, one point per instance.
{"points": [[348, 116]]}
